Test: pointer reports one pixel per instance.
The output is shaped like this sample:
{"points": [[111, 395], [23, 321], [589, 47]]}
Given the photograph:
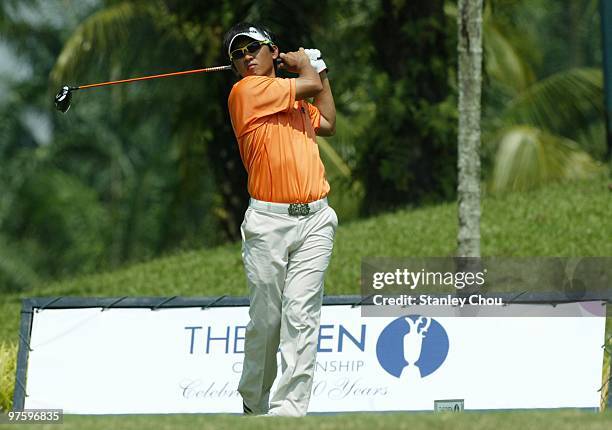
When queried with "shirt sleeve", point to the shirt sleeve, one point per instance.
{"points": [[255, 97], [315, 116]]}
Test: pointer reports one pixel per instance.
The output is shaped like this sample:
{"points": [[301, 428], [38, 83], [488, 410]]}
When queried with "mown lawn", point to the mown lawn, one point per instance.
{"points": [[561, 420]]}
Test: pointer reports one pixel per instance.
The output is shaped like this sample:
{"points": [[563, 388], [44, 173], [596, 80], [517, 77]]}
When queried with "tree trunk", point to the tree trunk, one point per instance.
{"points": [[469, 22]]}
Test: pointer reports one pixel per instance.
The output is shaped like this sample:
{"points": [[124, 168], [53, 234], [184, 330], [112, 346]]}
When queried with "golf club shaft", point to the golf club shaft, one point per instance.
{"points": [[144, 78]]}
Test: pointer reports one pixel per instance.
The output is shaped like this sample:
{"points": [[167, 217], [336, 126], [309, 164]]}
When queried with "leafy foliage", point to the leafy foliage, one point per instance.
{"points": [[139, 171], [408, 153], [540, 124], [528, 156]]}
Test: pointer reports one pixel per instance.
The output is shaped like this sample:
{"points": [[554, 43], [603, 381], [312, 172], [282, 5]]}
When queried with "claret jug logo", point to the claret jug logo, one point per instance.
{"points": [[412, 347]]}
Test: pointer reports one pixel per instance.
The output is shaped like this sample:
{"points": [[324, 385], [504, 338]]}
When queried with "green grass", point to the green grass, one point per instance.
{"points": [[558, 420], [8, 363], [570, 219], [562, 220]]}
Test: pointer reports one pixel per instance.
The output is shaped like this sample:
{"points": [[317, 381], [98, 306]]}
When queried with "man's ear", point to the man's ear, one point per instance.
{"points": [[275, 51]]}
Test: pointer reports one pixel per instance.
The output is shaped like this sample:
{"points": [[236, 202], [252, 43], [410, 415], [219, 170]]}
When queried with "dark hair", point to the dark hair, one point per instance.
{"points": [[242, 27]]}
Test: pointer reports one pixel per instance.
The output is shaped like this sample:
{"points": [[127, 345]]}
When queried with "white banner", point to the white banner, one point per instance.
{"points": [[185, 360]]}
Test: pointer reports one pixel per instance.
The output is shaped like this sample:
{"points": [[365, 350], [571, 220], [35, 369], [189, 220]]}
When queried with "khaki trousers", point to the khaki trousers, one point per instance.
{"points": [[285, 258]]}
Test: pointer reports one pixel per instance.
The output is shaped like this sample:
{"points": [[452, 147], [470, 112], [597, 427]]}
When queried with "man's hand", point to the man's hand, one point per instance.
{"points": [[295, 62], [316, 60], [308, 83]]}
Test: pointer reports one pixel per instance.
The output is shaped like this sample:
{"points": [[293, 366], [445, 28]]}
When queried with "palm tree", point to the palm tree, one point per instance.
{"points": [[537, 128], [38, 236], [130, 38]]}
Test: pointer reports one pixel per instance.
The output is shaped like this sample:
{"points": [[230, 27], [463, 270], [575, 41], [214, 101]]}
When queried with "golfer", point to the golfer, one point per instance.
{"points": [[288, 228]]}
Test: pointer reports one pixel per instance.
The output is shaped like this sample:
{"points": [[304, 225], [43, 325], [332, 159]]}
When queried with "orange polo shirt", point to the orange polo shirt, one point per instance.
{"points": [[277, 140]]}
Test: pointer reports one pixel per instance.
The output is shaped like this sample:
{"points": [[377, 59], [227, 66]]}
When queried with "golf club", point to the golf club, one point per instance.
{"points": [[64, 96]]}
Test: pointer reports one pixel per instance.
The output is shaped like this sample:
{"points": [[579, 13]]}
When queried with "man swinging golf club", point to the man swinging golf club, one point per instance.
{"points": [[288, 228]]}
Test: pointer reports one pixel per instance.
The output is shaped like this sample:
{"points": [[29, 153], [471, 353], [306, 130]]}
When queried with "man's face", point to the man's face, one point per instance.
{"points": [[258, 63]]}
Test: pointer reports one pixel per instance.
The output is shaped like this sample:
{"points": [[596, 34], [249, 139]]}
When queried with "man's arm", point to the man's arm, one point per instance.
{"points": [[308, 83], [324, 101]]}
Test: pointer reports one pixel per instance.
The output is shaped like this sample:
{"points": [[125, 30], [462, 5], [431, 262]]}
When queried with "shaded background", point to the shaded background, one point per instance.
{"points": [[137, 171]]}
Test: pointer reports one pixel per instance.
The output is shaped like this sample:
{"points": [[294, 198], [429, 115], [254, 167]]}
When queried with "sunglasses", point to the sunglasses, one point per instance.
{"points": [[251, 48]]}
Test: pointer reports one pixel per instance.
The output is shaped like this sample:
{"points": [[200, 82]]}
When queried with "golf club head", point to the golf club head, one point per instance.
{"points": [[63, 98]]}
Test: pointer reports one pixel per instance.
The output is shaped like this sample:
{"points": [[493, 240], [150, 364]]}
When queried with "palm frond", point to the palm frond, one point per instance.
{"points": [[340, 151], [334, 158], [502, 62], [528, 157], [98, 37], [592, 138], [564, 101]]}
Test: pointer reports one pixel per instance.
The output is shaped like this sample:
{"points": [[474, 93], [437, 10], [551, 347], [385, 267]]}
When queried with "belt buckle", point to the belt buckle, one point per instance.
{"points": [[296, 209]]}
